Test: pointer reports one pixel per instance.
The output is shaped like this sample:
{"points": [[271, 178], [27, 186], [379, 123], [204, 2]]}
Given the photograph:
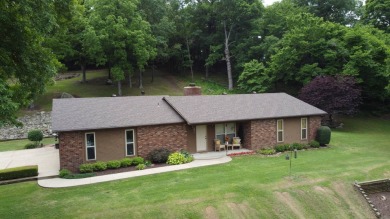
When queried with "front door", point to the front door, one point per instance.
{"points": [[201, 138]]}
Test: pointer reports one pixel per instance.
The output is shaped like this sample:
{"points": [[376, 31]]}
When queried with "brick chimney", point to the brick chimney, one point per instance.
{"points": [[192, 90]]}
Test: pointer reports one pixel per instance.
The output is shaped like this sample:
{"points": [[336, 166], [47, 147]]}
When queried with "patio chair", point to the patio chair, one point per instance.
{"points": [[218, 145], [236, 142]]}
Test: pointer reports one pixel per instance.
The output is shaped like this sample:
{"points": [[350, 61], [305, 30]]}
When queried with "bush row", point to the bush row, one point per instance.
{"points": [[19, 172], [114, 164], [298, 146]]}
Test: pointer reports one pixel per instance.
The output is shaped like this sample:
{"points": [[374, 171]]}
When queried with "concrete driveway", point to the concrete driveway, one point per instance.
{"points": [[47, 159]]}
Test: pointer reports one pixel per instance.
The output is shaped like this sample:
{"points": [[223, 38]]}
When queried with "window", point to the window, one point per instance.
{"points": [[280, 135], [90, 145], [130, 151], [225, 129], [303, 128]]}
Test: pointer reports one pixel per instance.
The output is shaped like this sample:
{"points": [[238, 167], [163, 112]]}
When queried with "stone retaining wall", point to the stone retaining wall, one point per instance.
{"points": [[39, 120]]}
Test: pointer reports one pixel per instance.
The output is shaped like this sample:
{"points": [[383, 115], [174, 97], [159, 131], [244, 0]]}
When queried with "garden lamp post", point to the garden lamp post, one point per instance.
{"points": [[289, 157]]}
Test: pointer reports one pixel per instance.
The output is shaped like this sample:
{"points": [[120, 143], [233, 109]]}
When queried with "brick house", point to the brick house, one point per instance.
{"points": [[109, 128]]}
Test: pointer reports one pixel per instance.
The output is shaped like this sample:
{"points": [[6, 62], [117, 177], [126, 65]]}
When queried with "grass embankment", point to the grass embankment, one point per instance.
{"points": [[163, 84], [13, 145], [247, 187]]}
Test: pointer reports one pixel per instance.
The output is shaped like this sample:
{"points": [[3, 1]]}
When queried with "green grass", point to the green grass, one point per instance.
{"points": [[13, 145], [247, 187]]}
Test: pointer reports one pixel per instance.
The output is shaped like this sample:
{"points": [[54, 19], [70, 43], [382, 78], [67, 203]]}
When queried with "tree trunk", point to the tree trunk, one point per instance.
{"points": [[140, 80], [207, 72], [130, 82], [83, 69], [189, 58], [152, 74], [119, 88], [109, 70], [227, 56]]}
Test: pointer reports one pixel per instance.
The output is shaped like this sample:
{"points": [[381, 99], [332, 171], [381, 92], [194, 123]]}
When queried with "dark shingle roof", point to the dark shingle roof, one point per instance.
{"points": [[111, 112], [222, 108]]}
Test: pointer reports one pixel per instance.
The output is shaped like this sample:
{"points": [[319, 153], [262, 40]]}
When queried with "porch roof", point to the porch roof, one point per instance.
{"points": [[239, 107]]}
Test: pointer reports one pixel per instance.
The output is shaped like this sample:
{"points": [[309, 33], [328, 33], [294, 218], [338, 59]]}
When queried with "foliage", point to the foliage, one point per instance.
{"points": [[254, 78], [267, 151], [35, 136], [323, 135], [126, 162], [99, 166], [64, 173], [314, 144], [176, 158], [188, 157], [159, 155], [30, 145], [377, 13], [20, 144], [19, 172], [140, 166], [137, 160], [79, 175], [26, 64], [148, 163], [86, 168], [298, 146], [113, 164], [335, 95], [282, 147]]}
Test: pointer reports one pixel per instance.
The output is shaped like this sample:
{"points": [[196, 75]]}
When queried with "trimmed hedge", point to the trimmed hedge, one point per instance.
{"points": [[159, 155], [19, 172], [323, 135]]}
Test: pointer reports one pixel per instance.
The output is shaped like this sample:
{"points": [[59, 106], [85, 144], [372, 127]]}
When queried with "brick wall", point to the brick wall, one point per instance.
{"points": [[263, 133], [314, 124], [173, 137], [247, 135], [71, 150]]}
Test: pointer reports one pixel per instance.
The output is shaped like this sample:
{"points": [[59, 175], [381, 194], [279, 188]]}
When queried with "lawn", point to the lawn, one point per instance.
{"points": [[19, 144], [247, 187]]}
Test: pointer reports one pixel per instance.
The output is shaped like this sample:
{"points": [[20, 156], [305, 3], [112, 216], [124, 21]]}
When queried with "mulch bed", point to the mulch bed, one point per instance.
{"points": [[381, 201], [127, 169]]}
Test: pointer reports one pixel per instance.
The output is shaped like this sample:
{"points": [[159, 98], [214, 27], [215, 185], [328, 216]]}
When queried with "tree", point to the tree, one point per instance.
{"points": [[377, 13], [333, 94], [254, 78], [125, 36], [339, 11], [26, 64]]}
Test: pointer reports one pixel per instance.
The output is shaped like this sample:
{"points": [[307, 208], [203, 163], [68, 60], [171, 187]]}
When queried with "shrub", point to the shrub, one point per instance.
{"points": [[126, 162], [86, 168], [298, 146], [148, 163], [188, 157], [114, 164], [140, 166], [64, 173], [267, 151], [137, 160], [282, 147], [176, 158], [30, 145], [314, 144], [323, 135], [159, 155], [79, 175], [35, 136], [19, 172], [99, 166]]}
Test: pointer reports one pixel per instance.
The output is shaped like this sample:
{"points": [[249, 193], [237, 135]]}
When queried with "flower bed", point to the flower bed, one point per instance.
{"points": [[242, 153]]}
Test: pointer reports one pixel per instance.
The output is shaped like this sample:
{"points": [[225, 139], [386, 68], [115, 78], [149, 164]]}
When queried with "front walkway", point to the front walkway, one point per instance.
{"points": [[198, 162]]}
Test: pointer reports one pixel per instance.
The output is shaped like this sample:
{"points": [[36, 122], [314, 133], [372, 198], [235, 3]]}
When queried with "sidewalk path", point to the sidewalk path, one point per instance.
{"points": [[60, 183]]}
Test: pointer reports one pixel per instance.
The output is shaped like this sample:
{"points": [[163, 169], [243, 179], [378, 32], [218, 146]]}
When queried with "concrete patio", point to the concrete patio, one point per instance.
{"points": [[217, 154]]}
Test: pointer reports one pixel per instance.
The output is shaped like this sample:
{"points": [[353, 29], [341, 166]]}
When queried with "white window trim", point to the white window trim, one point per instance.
{"points": [[130, 142], [304, 128], [86, 145], [277, 130], [225, 133]]}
